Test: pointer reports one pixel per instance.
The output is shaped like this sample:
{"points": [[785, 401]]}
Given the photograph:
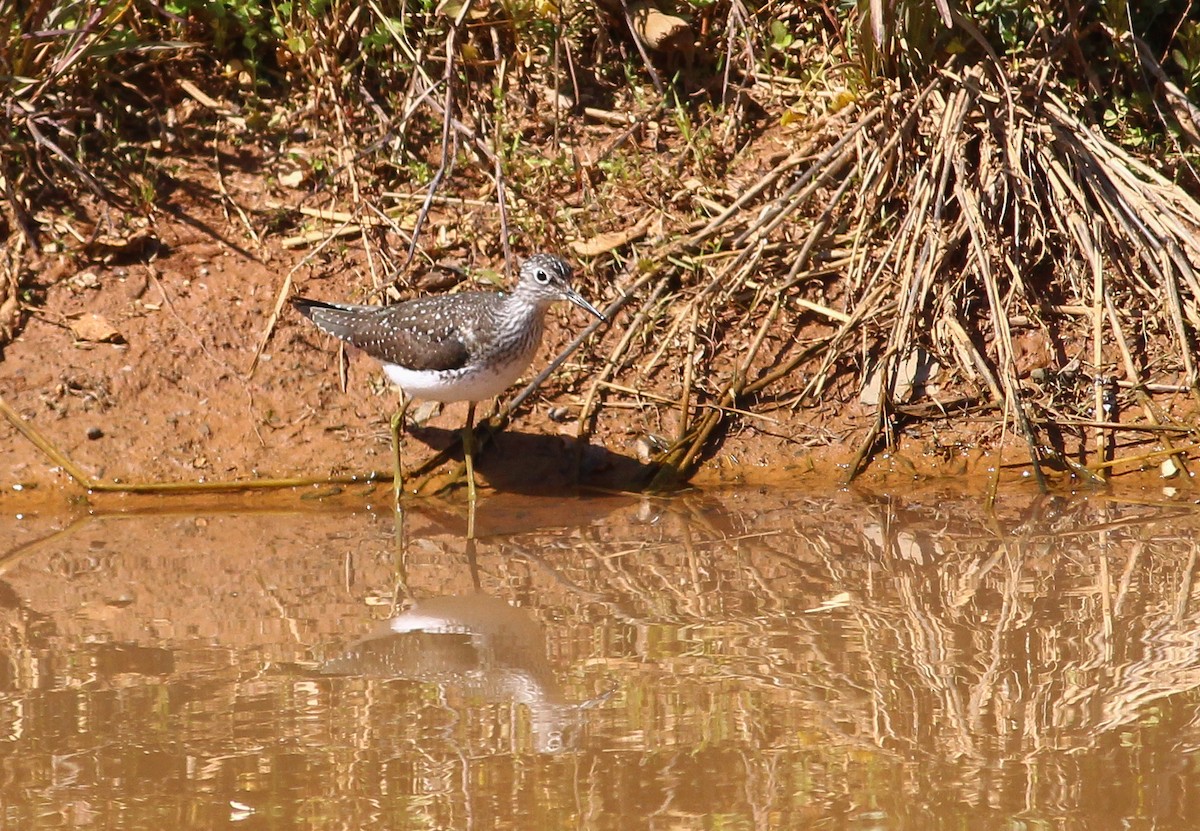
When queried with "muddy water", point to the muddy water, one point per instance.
{"points": [[741, 660]]}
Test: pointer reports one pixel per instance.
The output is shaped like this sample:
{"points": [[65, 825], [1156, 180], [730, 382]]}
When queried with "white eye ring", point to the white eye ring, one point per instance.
{"points": [[541, 276]]}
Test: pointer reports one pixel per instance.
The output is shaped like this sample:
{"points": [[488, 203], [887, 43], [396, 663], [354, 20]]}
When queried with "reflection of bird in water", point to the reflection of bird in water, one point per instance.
{"points": [[479, 646]]}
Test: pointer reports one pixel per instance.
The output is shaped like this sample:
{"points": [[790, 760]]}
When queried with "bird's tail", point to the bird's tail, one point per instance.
{"points": [[337, 319]]}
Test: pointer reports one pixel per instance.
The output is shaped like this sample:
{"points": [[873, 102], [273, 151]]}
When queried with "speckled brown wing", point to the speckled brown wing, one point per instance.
{"points": [[424, 334]]}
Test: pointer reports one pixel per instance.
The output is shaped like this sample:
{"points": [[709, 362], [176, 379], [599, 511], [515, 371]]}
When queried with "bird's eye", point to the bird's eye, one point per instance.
{"points": [[541, 276]]}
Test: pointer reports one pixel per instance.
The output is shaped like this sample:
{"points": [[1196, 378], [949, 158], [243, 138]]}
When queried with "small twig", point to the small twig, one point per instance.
{"points": [[1103, 450], [613, 361], [704, 405], [1146, 457], [1115, 426], [439, 199], [689, 365], [227, 199], [641, 47], [449, 136], [346, 217], [281, 298], [309, 237], [502, 204]]}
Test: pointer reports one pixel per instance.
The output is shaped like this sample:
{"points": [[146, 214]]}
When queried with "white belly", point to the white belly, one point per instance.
{"points": [[473, 384]]}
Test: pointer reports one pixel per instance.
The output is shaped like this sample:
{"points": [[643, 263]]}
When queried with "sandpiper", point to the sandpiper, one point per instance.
{"points": [[468, 346]]}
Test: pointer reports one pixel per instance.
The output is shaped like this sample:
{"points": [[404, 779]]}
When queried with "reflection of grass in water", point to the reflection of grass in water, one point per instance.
{"points": [[796, 655], [1037, 643]]}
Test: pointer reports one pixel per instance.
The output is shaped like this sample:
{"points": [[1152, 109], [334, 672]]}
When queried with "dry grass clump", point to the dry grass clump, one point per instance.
{"points": [[959, 213], [926, 229]]}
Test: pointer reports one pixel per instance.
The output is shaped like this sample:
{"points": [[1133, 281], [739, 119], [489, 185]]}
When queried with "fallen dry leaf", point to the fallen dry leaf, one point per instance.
{"points": [[294, 179], [96, 329], [602, 243], [660, 31], [111, 247]]}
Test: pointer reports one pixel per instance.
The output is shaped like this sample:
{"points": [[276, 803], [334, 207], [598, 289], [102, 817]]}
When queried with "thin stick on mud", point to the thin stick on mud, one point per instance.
{"points": [[281, 297], [1099, 385], [52, 452], [685, 394]]}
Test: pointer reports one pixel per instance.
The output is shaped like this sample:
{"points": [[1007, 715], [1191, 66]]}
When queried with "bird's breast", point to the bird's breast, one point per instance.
{"points": [[490, 371]]}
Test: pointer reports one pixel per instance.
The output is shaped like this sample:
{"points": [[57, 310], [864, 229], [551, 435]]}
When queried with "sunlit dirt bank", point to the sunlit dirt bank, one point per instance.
{"points": [[150, 371]]}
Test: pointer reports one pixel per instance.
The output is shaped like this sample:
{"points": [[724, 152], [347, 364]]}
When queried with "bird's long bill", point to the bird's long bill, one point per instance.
{"points": [[577, 298]]}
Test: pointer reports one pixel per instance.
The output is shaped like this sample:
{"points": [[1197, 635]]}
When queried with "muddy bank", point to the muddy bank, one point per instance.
{"points": [[145, 366]]}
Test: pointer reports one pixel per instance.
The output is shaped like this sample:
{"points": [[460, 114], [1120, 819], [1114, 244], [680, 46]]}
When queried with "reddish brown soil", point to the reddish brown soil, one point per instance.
{"points": [[180, 397]]}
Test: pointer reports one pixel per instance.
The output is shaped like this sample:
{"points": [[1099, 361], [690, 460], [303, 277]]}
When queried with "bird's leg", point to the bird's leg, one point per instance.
{"points": [[492, 413], [397, 468], [468, 442]]}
